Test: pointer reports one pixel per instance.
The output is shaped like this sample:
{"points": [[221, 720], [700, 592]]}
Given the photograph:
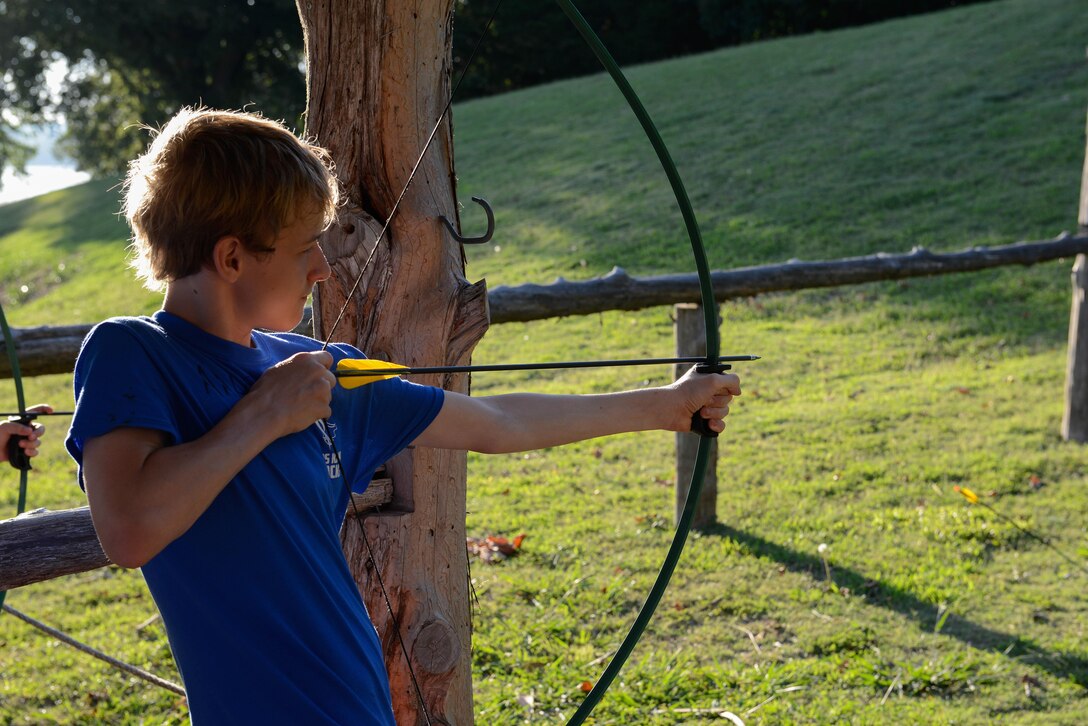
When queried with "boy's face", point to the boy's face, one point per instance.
{"points": [[278, 284]]}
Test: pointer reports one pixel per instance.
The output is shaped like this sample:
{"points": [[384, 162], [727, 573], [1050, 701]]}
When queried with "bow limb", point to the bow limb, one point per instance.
{"points": [[713, 344], [20, 398]]}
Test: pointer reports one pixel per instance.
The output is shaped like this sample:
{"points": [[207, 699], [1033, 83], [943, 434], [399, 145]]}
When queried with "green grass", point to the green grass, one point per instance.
{"points": [[948, 130]]}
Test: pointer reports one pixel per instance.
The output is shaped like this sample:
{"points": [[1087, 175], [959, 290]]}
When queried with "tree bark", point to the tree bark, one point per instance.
{"points": [[378, 81]]}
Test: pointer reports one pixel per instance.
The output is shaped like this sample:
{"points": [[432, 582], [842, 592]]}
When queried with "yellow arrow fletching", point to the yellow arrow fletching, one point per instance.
{"points": [[356, 372], [967, 494]]}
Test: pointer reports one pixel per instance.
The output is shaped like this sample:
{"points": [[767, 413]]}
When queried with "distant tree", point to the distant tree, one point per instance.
{"points": [[532, 42], [13, 152], [23, 72], [138, 61]]}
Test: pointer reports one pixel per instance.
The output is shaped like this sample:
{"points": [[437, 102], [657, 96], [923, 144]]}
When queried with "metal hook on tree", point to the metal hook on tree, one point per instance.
{"points": [[482, 239]]}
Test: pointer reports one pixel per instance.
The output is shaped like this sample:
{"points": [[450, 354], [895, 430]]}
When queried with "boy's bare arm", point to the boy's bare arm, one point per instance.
{"points": [[144, 494], [521, 422]]}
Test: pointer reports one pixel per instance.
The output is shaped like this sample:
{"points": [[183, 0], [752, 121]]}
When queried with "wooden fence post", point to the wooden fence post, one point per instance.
{"points": [[1075, 418], [691, 341]]}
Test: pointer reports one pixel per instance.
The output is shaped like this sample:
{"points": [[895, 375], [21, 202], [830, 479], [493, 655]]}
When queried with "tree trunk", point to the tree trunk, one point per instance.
{"points": [[378, 80]]}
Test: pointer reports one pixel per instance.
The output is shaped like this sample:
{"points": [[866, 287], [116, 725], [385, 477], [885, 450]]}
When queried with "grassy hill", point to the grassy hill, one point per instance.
{"points": [[947, 130]]}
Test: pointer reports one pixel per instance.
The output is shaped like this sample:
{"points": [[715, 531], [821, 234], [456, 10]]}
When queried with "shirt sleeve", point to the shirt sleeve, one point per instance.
{"points": [[117, 384]]}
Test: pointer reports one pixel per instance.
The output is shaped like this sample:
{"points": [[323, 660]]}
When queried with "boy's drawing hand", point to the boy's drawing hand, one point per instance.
{"points": [[32, 433], [296, 392]]}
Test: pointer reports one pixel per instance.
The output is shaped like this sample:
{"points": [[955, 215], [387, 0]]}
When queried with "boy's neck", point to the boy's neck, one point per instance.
{"points": [[199, 301]]}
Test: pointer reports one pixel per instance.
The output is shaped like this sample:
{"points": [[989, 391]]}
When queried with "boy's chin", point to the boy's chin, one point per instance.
{"points": [[286, 323]]}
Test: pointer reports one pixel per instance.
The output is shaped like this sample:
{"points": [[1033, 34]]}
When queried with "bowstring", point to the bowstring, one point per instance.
{"points": [[377, 572]]}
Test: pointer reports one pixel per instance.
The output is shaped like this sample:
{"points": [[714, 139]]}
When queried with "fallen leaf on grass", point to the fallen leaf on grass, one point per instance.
{"points": [[492, 548], [654, 521], [586, 686], [1035, 482]]}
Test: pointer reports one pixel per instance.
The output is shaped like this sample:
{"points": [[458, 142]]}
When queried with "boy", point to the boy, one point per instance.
{"points": [[201, 441]]}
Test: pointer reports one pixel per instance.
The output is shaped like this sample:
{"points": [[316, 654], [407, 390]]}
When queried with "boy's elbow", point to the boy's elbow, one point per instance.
{"points": [[123, 553], [129, 559], [124, 543]]}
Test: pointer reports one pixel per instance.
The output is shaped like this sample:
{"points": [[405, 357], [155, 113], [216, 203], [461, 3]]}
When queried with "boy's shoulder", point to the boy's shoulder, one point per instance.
{"points": [[142, 325], [295, 339], [297, 342]]}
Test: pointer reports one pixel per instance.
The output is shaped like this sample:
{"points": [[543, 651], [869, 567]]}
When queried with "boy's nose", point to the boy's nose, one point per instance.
{"points": [[320, 269]]}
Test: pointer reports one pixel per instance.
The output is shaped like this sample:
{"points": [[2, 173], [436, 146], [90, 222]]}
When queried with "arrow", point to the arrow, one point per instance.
{"points": [[368, 370], [973, 498]]}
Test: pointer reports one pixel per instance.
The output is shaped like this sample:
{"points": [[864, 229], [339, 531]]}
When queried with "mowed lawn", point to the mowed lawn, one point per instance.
{"points": [[948, 130]]}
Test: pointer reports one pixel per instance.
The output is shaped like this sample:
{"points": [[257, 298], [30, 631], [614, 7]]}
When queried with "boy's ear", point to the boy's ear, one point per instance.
{"points": [[227, 257]]}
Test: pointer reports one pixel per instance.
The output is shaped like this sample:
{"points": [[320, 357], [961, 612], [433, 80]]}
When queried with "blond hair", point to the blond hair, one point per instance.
{"points": [[209, 174]]}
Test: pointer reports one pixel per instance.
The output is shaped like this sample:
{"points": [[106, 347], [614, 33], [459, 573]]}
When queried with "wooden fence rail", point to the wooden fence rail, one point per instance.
{"points": [[618, 291], [47, 350], [41, 544]]}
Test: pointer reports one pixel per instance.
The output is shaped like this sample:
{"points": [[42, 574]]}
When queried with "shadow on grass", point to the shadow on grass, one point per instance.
{"points": [[924, 614]]}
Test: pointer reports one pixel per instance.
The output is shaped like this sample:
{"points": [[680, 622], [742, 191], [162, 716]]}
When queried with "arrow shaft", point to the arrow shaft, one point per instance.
{"points": [[543, 366], [31, 414]]}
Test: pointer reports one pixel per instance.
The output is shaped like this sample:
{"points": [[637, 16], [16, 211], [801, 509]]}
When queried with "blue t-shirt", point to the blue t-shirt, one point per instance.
{"points": [[264, 619]]}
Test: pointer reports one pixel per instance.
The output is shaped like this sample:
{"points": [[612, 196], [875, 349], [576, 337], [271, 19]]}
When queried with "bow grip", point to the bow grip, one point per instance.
{"points": [[698, 423], [16, 455]]}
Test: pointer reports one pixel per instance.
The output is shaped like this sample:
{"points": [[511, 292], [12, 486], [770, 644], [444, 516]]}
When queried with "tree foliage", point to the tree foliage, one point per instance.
{"points": [[138, 61], [532, 42]]}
